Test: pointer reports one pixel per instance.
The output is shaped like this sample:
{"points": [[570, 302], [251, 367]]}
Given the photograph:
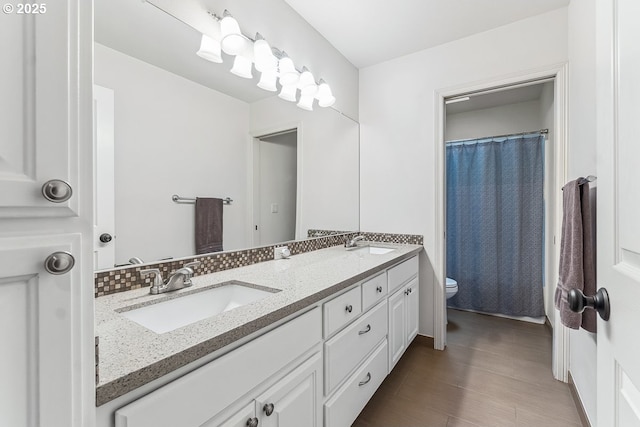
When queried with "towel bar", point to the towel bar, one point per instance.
{"points": [[178, 199]]}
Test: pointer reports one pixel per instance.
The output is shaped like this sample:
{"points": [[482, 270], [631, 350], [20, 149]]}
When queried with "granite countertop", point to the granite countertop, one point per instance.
{"points": [[131, 355]]}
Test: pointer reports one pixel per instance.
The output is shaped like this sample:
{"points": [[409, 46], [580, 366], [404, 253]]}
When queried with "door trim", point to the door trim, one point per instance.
{"points": [[559, 72]]}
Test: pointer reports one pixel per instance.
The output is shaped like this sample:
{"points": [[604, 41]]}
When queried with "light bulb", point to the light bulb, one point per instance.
{"points": [[209, 49], [268, 81], [265, 61], [324, 96], [288, 74], [233, 42], [242, 67], [288, 93], [306, 102], [307, 83]]}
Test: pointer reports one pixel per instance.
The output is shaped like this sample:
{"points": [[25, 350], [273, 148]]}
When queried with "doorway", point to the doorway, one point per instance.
{"points": [[553, 202], [275, 187], [498, 182]]}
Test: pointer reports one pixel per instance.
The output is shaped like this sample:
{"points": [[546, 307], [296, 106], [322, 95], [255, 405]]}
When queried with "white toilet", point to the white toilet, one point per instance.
{"points": [[452, 287]]}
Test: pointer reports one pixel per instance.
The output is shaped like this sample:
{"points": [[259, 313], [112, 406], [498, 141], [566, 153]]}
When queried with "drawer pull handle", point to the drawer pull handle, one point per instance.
{"points": [[379, 289], [361, 383], [349, 308], [365, 330], [268, 408], [252, 422]]}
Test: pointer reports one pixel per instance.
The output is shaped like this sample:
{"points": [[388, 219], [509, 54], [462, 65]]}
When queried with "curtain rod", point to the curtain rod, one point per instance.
{"points": [[541, 131]]}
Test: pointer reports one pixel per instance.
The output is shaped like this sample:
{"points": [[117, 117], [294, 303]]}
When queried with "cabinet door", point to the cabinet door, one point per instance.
{"points": [[412, 302], [295, 400], [40, 83], [245, 417], [38, 362], [397, 321]]}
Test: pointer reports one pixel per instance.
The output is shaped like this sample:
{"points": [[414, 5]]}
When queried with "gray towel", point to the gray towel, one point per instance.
{"points": [[577, 267], [208, 229]]}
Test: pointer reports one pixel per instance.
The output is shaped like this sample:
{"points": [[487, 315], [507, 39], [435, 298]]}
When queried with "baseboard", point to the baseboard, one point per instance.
{"points": [[576, 398]]}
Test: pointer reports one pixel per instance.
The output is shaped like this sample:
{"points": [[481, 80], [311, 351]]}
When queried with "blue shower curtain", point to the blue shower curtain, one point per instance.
{"points": [[495, 224]]}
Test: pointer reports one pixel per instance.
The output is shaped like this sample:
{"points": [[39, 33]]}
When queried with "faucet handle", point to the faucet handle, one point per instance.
{"points": [[192, 265], [157, 280]]}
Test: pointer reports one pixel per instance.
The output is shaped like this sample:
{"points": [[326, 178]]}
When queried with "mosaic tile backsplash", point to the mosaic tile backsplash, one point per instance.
{"points": [[128, 278]]}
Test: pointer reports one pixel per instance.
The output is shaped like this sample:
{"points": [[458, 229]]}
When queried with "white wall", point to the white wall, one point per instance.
{"points": [[171, 136], [329, 180], [397, 116], [582, 162], [501, 120], [277, 186]]}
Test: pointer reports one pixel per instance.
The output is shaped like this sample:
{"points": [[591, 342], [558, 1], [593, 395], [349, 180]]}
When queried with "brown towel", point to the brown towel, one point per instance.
{"points": [[577, 267], [208, 227]]}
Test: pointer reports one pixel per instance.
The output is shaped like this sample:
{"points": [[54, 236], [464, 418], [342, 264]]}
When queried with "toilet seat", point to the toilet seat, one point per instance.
{"points": [[451, 287]]}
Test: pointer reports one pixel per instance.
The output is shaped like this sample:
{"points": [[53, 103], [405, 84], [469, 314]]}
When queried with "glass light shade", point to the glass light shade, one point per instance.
{"points": [[233, 42], [306, 102], [288, 74], [307, 83], [268, 81], [324, 96], [242, 67], [288, 93], [209, 49], [265, 61]]}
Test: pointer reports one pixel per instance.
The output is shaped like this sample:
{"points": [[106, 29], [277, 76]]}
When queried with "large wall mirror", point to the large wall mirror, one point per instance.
{"points": [[171, 123]]}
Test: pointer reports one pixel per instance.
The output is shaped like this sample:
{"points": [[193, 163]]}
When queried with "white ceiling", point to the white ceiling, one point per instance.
{"points": [[368, 32]]}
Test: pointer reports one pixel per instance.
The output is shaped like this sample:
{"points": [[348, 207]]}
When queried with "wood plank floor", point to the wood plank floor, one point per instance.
{"points": [[494, 372]]}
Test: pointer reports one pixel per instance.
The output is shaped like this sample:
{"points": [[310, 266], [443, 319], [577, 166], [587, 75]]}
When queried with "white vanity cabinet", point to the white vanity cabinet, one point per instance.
{"points": [[403, 308], [202, 395], [317, 370]]}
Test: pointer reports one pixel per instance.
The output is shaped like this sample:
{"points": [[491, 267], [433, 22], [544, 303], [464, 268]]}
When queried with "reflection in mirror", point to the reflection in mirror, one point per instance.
{"points": [[174, 123]]}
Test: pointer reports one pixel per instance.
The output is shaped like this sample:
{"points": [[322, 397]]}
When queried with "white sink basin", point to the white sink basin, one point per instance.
{"points": [[374, 250], [174, 313]]}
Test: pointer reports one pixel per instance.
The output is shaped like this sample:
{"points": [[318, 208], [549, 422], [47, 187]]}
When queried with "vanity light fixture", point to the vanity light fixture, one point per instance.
{"points": [[273, 64]]}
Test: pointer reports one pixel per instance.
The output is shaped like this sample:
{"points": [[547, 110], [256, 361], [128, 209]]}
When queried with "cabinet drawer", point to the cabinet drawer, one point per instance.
{"points": [[373, 290], [402, 272], [343, 408], [349, 347], [198, 396], [341, 310]]}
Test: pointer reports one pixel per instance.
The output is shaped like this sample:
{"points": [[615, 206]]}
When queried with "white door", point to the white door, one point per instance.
{"points": [[618, 136], [47, 361], [104, 253]]}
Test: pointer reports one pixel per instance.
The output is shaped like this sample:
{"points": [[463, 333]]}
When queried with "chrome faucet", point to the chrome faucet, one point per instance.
{"points": [[181, 278], [353, 243]]}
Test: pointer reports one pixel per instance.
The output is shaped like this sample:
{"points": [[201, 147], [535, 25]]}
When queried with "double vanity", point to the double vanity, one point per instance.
{"points": [[303, 341]]}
